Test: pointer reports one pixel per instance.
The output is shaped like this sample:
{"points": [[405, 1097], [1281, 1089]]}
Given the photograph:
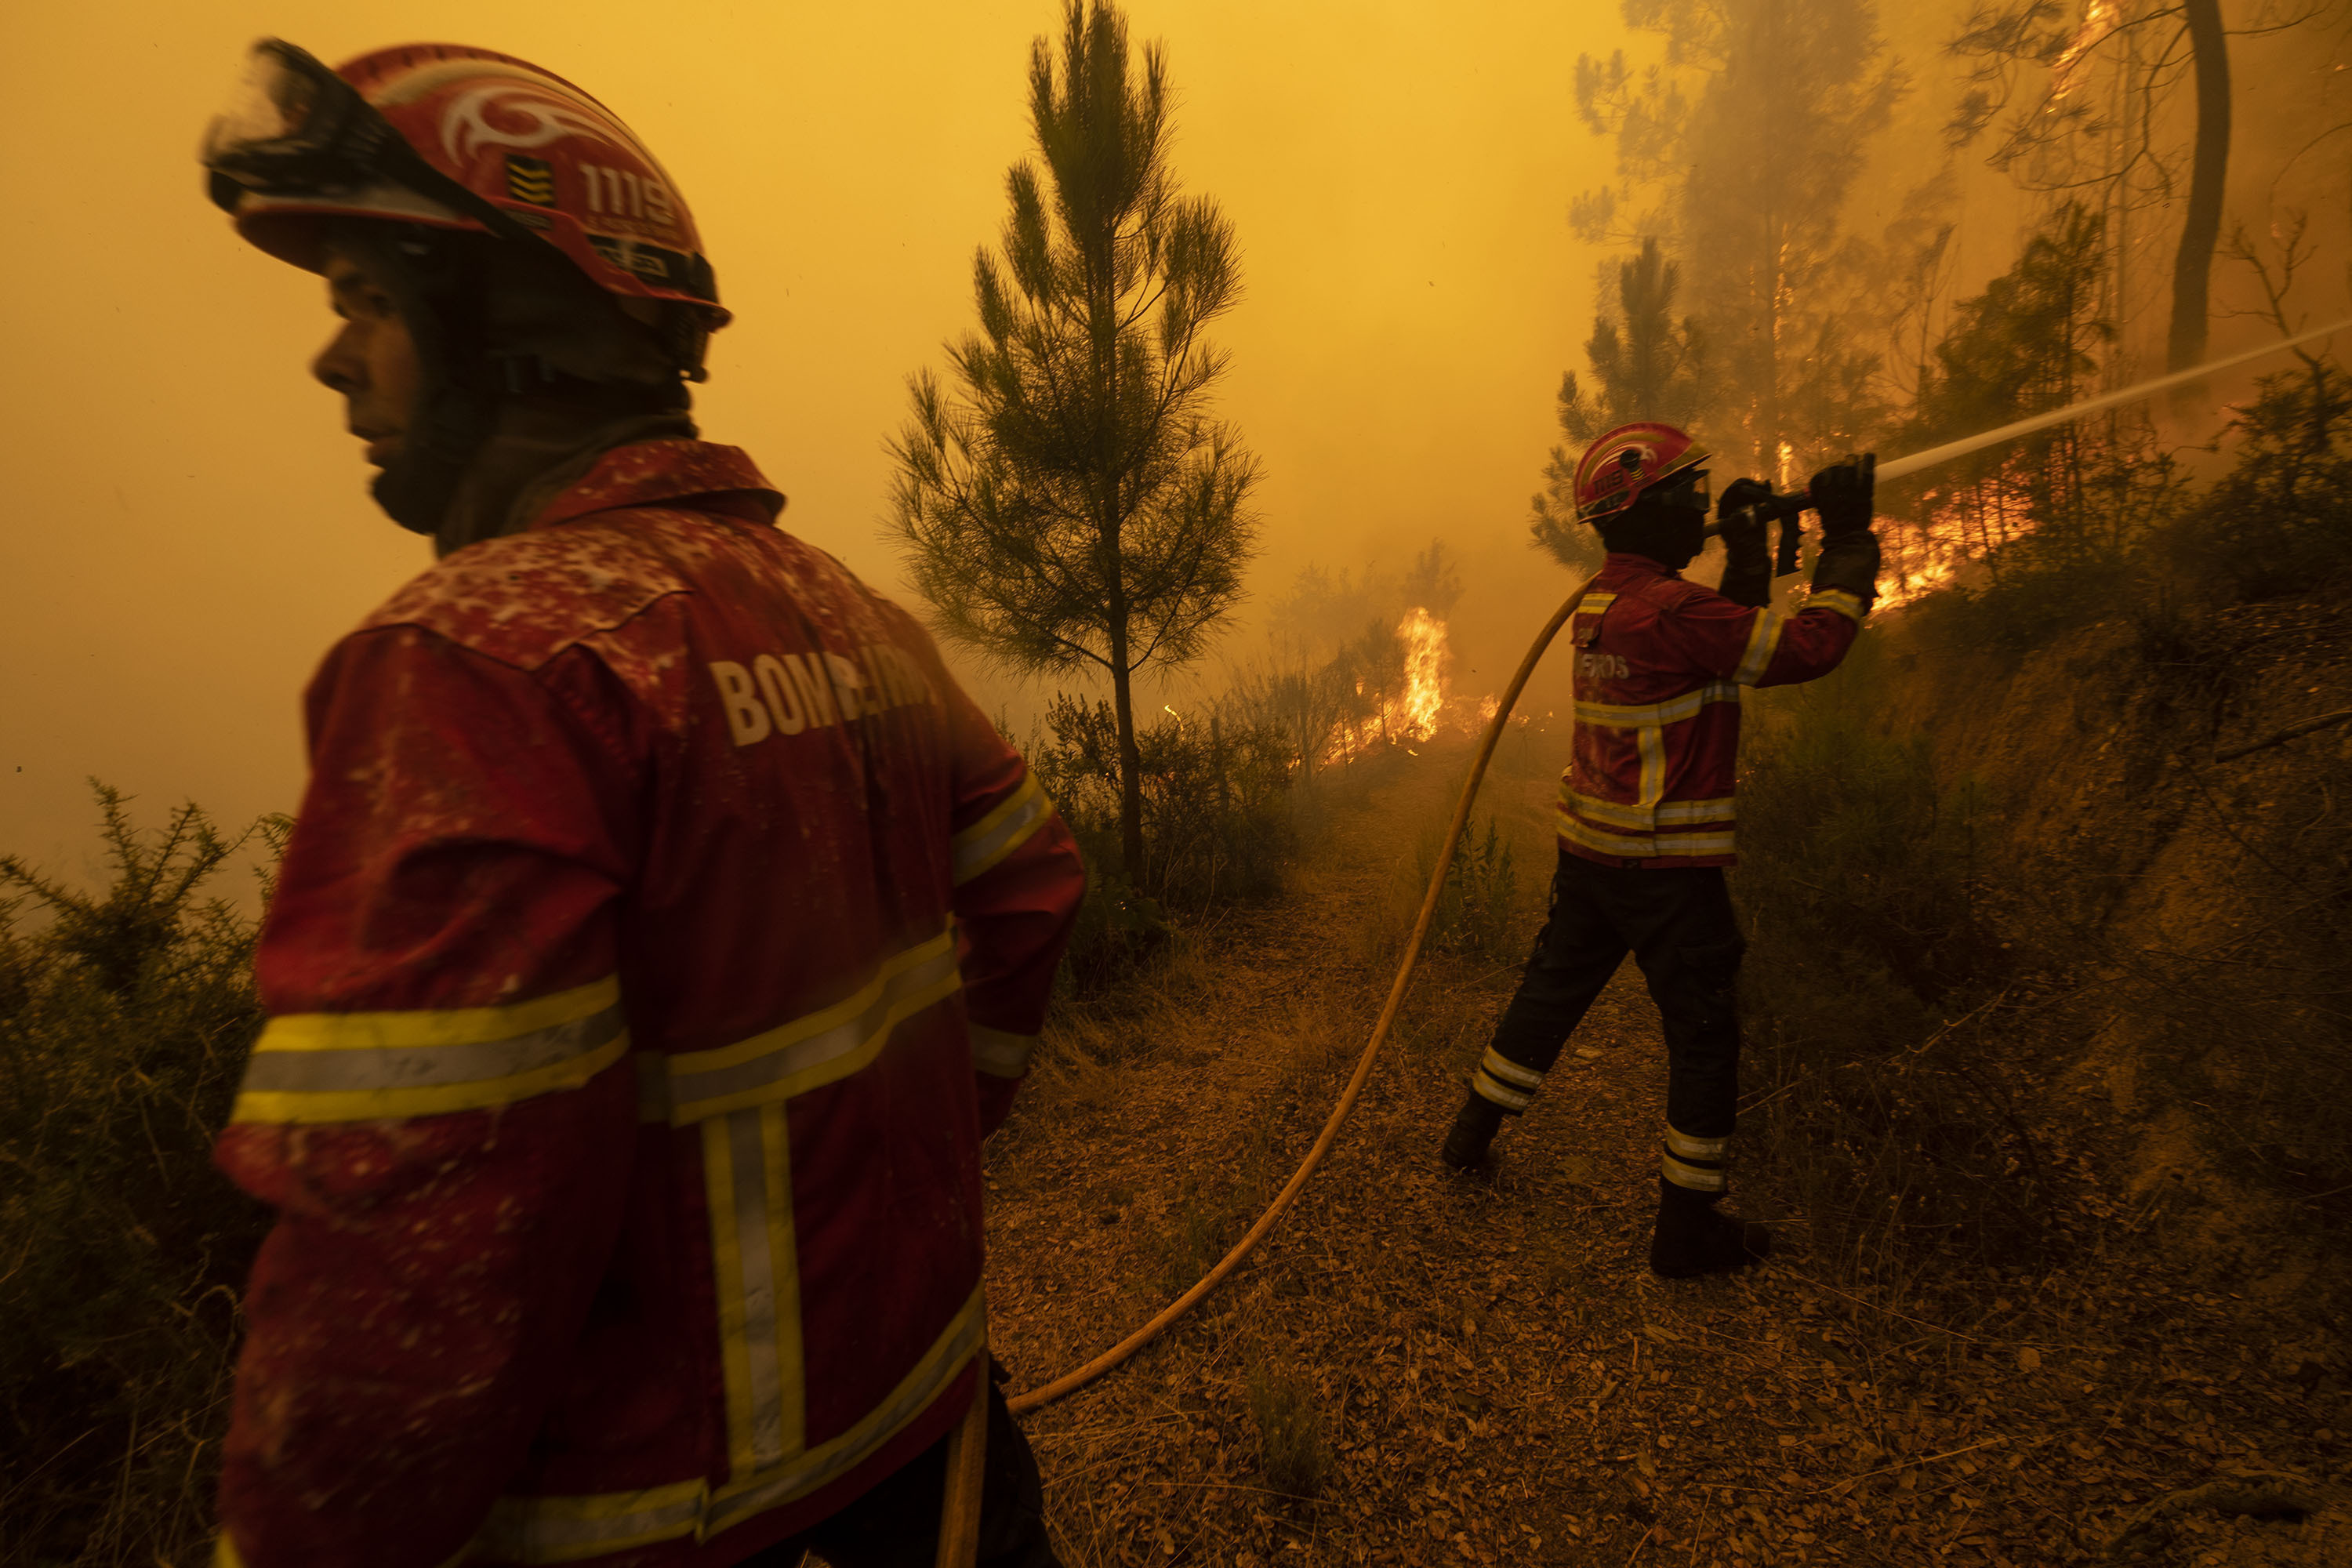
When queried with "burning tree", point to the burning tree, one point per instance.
{"points": [[1071, 503]]}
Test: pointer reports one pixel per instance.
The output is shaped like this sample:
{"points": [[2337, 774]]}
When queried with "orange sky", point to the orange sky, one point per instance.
{"points": [[188, 527]]}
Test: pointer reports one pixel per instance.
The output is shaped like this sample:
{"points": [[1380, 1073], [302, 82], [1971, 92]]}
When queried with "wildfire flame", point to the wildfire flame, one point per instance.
{"points": [[1424, 699], [2099, 20], [1423, 706]]}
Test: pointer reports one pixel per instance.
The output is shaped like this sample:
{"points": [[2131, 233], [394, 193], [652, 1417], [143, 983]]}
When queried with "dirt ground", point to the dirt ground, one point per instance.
{"points": [[1417, 1367]]}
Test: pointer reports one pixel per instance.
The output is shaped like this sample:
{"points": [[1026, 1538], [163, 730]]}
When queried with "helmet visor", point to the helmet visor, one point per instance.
{"points": [[294, 127]]}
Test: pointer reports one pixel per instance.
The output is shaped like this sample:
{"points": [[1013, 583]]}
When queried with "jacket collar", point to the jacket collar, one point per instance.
{"points": [[665, 473], [1623, 564]]}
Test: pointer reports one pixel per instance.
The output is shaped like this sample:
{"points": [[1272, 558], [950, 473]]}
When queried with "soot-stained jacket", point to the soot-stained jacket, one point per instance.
{"points": [[661, 932], [1659, 665]]}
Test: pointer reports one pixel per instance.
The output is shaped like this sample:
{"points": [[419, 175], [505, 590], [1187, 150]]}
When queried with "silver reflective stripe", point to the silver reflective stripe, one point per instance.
{"points": [[1843, 602], [755, 1254], [1696, 1178], [1489, 1088], [939, 1366], [1683, 811], [1672, 710], [793, 1057], [1692, 1147], [1002, 831], [348, 1069], [1762, 642], [1001, 1054], [1509, 1071]]}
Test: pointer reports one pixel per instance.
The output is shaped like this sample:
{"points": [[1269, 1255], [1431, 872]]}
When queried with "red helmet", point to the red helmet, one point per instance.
{"points": [[1626, 461], [456, 138]]}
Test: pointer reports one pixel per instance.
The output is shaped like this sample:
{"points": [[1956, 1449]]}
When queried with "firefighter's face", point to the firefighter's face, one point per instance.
{"points": [[372, 360]]}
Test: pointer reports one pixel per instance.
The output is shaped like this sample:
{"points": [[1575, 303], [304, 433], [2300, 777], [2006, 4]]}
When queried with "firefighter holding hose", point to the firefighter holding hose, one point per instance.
{"points": [[1646, 814], [661, 933]]}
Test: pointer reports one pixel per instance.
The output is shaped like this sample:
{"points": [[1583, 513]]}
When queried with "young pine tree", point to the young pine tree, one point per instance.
{"points": [[1071, 501], [1646, 365]]}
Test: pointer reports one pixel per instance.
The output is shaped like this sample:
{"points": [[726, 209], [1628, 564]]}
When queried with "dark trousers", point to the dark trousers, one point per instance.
{"points": [[1679, 927], [897, 1525]]}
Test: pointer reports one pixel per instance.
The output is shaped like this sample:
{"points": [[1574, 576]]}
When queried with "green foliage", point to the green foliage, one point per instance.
{"points": [[1072, 502], [2275, 523], [124, 1024], [1647, 365], [1216, 821], [1477, 909], [1871, 971]]}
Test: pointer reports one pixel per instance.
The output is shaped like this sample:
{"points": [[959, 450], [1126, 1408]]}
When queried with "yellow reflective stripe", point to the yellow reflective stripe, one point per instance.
{"points": [[438, 1027], [812, 1051], [1651, 743], [746, 1156], [567, 1529], [370, 1067], [1609, 812], [1691, 1148], [1592, 838], [1001, 1054], [719, 1186], [1763, 641], [1674, 710], [1683, 811], [1696, 1178], [1844, 603], [1693, 843], [986, 843]]}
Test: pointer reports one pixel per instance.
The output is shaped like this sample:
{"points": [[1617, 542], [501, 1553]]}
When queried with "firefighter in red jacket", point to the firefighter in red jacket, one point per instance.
{"points": [[661, 933], [1646, 811]]}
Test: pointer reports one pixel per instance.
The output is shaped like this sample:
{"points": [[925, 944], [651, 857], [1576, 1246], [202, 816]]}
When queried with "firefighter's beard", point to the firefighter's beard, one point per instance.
{"points": [[421, 478]]}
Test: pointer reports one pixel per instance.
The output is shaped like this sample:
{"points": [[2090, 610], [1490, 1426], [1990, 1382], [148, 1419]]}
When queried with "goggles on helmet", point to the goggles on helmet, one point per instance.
{"points": [[295, 127]]}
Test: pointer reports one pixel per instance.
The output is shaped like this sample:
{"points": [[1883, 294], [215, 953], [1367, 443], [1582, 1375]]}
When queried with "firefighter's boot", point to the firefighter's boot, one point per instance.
{"points": [[1693, 1239], [1474, 1128]]}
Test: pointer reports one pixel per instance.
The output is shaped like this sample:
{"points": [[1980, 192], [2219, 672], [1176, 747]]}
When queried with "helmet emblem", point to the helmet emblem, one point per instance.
{"points": [[465, 126]]}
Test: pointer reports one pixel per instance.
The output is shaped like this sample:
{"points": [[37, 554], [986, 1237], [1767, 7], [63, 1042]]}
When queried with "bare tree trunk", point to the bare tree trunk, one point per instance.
{"points": [[2193, 266], [1130, 757]]}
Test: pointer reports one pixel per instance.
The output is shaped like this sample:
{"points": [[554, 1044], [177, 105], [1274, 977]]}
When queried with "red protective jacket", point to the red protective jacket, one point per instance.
{"points": [[1659, 665], [661, 932]]}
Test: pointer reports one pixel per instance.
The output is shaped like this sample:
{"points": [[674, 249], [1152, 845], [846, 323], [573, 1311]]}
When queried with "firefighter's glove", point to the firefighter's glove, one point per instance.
{"points": [[1747, 551], [1843, 495]]}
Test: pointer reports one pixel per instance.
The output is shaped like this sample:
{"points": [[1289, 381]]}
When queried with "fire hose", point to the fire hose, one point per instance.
{"points": [[1782, 507]]}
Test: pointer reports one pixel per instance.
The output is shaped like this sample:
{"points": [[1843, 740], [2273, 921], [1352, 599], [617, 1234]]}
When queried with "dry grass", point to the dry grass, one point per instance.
{"points": [[1490, 1372]]}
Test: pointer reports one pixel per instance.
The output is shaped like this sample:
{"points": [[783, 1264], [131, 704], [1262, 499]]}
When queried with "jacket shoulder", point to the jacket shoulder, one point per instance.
{"points": [[525, 598]]}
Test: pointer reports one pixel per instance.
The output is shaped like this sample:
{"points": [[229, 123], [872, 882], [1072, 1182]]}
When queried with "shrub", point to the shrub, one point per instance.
{"points": [[1217, 823], [124, 1024], [1477, 909], [1871, 976]]}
